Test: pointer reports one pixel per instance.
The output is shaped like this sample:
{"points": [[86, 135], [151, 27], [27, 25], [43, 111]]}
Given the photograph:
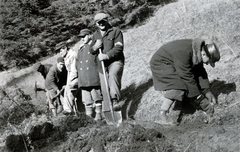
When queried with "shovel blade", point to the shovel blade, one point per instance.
{"points": [[109, 117]]}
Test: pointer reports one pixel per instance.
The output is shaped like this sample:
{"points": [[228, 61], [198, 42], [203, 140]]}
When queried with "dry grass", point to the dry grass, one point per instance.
{"points": [[216, 21]]}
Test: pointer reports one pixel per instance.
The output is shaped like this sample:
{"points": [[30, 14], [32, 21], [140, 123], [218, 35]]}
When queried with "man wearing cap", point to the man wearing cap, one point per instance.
{"points": [[178, 70], [88, 76], [56, 81], [110, 41]]}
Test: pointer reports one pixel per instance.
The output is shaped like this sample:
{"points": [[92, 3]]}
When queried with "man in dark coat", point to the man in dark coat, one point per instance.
{"points": [[55, 82], [88, 76], [178, 70], [110, 41]]}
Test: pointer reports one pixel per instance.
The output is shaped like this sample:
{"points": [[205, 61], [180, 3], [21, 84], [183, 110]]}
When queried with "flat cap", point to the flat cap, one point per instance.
{"points": [[100, 16], [84, 32]]}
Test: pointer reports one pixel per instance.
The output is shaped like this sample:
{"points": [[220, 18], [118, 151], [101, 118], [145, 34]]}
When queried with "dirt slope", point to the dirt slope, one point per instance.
{"points": [[216, 21]]}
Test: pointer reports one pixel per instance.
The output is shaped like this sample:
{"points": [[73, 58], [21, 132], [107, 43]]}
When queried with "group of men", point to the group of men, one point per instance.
{"points": [[83, 75], [177, 69]]}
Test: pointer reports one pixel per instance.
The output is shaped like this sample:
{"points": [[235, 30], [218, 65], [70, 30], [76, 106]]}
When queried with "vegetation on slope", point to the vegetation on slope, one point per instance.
{"points": [[31, 29]]}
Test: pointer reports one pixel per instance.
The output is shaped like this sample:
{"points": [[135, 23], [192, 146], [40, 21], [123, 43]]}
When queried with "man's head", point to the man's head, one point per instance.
{"points": [[63, 51], [60, 63], [101, 20], [86, 35], [211, 54]]}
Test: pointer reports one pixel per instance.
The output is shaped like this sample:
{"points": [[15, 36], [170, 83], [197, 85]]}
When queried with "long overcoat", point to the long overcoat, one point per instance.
{"points": [[86, 66], [178, 65]]}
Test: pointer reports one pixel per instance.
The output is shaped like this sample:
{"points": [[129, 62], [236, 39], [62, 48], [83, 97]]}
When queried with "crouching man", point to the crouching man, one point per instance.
{"points": [[55, 83], [177, 70]]}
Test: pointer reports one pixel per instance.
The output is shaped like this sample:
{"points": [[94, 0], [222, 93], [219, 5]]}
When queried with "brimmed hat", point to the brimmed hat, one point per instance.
{"points": [[36, 66], [84, 32], [100, 16], [213, 53]]}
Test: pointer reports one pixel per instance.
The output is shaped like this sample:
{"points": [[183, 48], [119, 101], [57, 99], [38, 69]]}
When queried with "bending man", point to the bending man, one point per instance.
{"points": [[178, 71]]}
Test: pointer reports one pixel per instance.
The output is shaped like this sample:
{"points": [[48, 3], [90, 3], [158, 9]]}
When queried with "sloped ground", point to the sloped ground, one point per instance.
{"points": [[211, 20]]}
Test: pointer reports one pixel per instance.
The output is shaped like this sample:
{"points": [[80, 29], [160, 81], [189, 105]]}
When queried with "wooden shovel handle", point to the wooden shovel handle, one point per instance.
{"points": [[107, 87]]}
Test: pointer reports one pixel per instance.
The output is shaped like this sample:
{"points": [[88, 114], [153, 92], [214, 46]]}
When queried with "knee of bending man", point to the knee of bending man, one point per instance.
{"points": [[175, 95]]}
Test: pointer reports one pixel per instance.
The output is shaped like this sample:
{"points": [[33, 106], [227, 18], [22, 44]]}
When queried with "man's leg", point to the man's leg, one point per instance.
{"points": [[87, 101], [170, 96], [115, 72], [52, 103], [97, 98], [68, 100]]}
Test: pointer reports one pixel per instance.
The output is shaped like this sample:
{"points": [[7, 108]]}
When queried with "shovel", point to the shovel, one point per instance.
{"points": [[112, 117]]}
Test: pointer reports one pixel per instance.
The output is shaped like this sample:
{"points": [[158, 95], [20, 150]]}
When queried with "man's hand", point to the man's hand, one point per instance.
{"points": [[211, 97], [97, 45], [58, 91], [102, 57]]}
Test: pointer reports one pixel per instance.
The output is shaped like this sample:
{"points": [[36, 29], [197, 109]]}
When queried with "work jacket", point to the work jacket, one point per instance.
{"points": [[113, 45], [56, 79]]}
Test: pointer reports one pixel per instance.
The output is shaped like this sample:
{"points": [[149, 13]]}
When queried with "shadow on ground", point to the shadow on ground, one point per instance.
{"points": [[131, 96]]}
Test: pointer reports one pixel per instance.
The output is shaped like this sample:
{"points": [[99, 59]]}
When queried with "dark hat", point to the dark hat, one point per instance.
{"points": [[84, 32], [36, 66], [60, 59], [100, 16], [213, 53]]}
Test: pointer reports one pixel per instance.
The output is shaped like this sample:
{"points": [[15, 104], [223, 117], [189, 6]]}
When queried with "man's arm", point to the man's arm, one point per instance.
{"points": [[118, 44], [51, 79], [182, 63]]}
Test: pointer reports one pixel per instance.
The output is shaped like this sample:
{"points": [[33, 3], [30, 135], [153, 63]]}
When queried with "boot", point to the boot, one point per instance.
{"points": [[98, 110], [164, 119], [89, 110]]}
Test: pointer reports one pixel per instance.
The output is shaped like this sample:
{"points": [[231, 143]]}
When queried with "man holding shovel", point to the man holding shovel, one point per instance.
{"points": [[55, 83], [107, 42]]}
